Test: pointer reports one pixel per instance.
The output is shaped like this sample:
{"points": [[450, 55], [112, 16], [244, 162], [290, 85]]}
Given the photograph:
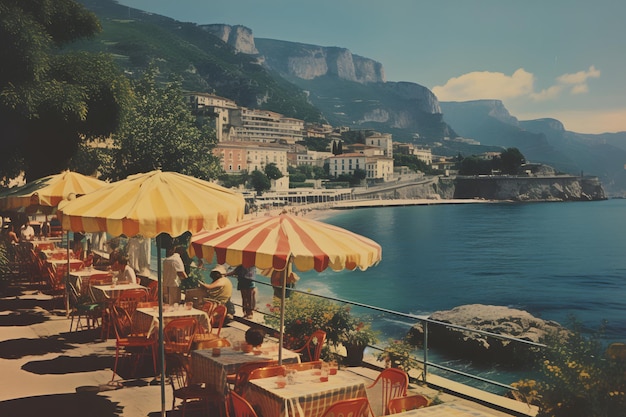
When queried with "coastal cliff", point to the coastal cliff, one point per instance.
{"points": [[549, 188]]}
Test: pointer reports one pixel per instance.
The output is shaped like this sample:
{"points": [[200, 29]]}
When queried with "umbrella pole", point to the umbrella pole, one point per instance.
{"points": [[67, 276], [161, 342], [282, 312]]}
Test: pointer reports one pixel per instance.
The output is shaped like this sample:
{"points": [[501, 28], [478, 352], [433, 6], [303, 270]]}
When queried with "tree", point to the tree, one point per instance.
{"points": [[51, 101], [260, 182], [159, 132], [510, 160], [272, 171]]}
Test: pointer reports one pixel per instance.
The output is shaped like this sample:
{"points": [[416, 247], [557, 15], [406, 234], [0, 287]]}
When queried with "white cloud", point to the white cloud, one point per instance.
{"points": [[486, 85], [520, 85]]}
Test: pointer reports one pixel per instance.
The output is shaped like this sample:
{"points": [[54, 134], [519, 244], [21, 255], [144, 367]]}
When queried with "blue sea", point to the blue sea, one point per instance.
{"points": [[553, 260]]}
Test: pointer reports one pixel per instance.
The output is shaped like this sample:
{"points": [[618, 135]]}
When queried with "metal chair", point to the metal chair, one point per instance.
{"points": [[217, 318], [178, 335], [410, 402], [130, 298], [239, 379], [355, 407], [129, 342], [267, 372], [87, 310], [313, 346], [394, 384]]}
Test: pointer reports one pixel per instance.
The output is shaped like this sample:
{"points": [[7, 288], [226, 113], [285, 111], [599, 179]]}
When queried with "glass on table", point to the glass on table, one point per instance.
{"points": [[324, 373], [281, 381]]}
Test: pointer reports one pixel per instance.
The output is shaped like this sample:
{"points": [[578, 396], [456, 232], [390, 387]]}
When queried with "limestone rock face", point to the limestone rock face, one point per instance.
{"points": [[239, 37], [494, 319]]}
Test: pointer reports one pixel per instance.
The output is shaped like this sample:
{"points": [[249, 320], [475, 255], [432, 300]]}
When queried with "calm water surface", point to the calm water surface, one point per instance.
{"points": [[551, 259]]}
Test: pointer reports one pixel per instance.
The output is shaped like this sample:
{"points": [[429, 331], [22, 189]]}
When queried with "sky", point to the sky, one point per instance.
{"points": [[564, 59]]}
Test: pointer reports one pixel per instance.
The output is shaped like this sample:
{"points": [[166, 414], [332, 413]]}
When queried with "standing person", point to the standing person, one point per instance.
{"points": [[245, 284], [173, 273]]}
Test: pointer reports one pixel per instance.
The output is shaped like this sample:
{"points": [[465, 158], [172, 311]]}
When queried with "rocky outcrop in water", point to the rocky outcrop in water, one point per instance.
{"points": [[488, 318]]}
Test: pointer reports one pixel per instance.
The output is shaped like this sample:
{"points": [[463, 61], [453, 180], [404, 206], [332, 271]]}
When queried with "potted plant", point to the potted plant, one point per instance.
{"points": [[355, 339], [399, 354]]}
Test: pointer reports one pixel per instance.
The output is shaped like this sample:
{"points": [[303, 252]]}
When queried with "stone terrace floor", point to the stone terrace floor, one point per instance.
{"points": [[45, 370]]}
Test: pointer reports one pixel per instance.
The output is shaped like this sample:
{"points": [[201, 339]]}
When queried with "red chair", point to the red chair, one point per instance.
{"points": [[241, 378], [355, 407], [267, 372], [178, 335], [305, 366], [240, 407], [410, 402], [129, 342], [130, 298], [395, 383], [312, 349], [153, 291], [217, 318]]}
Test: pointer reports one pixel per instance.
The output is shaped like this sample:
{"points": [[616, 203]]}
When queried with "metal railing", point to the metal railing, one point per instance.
{"points": [[426, 363]]}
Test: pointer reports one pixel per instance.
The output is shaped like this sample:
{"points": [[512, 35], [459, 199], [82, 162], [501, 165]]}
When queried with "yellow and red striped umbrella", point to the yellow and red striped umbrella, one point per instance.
{"points": [[152, 203], [272, 242], [49, 191]]}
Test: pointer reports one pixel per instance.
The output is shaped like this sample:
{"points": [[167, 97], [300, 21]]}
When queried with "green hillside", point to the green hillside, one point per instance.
{"points": [[204, 62]]}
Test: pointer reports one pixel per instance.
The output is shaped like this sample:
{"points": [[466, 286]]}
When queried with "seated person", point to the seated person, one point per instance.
{"points": [[221, 289], [127, 273], [254, 336]]}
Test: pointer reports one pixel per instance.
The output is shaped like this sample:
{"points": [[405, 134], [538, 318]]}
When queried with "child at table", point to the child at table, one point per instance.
{"points": [[254, 337]]}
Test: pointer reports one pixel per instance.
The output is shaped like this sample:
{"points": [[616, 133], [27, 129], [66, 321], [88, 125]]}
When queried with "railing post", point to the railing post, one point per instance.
{"points": [[425, 372]]}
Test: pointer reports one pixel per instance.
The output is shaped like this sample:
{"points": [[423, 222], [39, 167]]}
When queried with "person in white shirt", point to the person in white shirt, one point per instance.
{"points": [[27, 232], [173, 272], [127, 273]]}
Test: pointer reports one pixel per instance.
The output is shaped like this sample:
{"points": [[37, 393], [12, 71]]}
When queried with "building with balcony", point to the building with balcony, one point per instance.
{"points": [[252, 125]]}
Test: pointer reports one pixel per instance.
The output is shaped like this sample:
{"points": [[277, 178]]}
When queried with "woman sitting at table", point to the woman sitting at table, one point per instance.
{"points": [[127, 274]]}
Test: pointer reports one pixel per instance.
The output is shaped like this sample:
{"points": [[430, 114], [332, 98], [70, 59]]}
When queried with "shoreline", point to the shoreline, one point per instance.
{"points": [[321, 211]]}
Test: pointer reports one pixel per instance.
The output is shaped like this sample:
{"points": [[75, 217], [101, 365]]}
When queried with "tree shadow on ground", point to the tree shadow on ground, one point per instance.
{"points": [[23, 318], [69, 364], [15, 304], [61, 405], [18, 348]]}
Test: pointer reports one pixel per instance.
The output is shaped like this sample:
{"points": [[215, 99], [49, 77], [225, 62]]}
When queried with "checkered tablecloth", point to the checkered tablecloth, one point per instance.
{"points": [[308, 397], [213, 370], [146, 320], [452, 409]]}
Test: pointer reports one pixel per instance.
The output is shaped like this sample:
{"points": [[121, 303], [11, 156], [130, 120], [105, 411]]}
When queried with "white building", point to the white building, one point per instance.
{"points": [[378, 167], [217, 107], [383, 141], [265, 126], [346, 163]]}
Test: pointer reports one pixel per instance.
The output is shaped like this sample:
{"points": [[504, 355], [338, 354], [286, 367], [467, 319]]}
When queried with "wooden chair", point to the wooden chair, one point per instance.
{"points": [[128, 342], [394, 384], [304, 366], [312, 348], [178, 335], [179, 373], [410, 402], [239, 379], [355, 407], [239, 406], [153, 290], [87, 310]]}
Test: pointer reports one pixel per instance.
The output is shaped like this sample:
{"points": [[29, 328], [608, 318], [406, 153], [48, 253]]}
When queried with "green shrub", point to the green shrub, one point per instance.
{"points": [[577, 378]]}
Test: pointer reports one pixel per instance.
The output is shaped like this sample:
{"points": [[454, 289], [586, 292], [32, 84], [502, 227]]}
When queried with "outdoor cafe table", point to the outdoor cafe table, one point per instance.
{"points": [[146, 319], [81, 277], [73, 262], [112, 292], [451, 409], [308, 397], [212, 370]]}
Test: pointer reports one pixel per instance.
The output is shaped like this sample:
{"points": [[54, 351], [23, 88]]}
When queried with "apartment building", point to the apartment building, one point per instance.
{"points": [[237, 157], [379, 167], [214, 106], [251, 125], [346, 163], [312, 158]]}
